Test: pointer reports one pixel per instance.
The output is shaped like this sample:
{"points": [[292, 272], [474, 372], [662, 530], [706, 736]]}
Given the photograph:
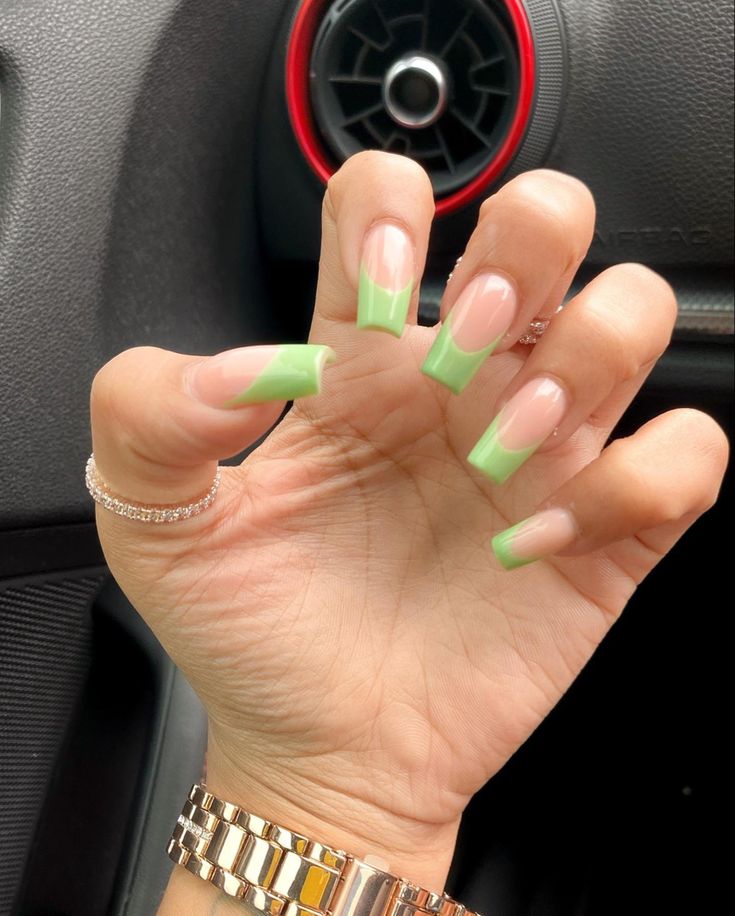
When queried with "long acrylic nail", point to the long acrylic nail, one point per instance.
{"points": [[475, 326], [256, 375], [539, 536], [386, 279], [521, 427]]}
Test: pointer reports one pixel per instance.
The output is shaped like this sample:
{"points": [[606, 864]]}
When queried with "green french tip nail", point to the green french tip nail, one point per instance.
{"points": [[452, 366], [294, 372], [503, 549], [493, 459], [381, 309]]}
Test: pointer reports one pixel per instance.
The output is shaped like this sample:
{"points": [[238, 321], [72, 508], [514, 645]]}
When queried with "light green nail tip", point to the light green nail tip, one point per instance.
{"points": [[449, 364], [494, 460], [294, 372], [382, 309], [503, 549]]}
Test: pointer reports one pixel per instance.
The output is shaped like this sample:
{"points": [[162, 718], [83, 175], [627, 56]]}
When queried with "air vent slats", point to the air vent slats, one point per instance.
{"points": [[356, 79], [362, 114], [458, 33], [433, 79]]}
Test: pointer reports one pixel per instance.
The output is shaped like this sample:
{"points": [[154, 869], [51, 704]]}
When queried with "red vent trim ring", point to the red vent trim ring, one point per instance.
{"points": [[297, 97]]}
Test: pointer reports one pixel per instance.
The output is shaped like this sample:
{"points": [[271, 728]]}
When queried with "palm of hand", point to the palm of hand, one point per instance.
{"points": [[364, 663], [346, 608]]}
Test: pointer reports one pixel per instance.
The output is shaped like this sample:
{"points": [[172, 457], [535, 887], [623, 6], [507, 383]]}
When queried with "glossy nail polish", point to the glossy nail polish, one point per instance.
{"points": [[474, 327], [539, 536], [519, 429], [386, 279], [257, 375]]}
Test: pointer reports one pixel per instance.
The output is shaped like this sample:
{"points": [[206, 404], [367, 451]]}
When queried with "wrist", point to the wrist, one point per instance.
{"points": [[334, 815]]}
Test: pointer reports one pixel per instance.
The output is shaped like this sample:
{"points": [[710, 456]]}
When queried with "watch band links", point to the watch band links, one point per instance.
{"points": [[281, 873]]}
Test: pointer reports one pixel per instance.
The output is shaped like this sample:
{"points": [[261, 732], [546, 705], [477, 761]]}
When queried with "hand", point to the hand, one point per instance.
{"points": [[366, 662]]}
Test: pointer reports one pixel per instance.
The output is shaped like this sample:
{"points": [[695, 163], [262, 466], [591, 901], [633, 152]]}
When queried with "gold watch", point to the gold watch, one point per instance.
{"points": [[281, 873]]}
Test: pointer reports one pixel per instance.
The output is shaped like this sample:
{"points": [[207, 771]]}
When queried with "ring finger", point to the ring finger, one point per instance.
{"points": [[602, 344]]}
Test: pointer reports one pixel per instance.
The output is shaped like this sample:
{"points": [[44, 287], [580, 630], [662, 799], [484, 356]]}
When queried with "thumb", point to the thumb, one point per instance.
{"points": [[162, 420]]}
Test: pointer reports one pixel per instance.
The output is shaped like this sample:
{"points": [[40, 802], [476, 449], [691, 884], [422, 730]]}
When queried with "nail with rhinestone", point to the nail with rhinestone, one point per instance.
{"points": [[473, 328]]}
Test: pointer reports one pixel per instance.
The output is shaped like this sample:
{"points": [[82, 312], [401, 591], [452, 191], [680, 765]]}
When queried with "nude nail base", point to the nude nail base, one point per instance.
{"points": [[260, 374], [474, 327], [294, 372], [539, 536], [520, 429]]}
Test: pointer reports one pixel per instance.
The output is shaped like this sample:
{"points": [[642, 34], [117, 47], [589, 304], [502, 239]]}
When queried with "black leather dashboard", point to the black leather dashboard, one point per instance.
{"points": [[151, 192], [146, 156]]}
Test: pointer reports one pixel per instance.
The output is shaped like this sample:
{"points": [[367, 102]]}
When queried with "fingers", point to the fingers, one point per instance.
{"points": [[161, 420], [605, 339], [529, 242], [375, 231], [645, 491]]}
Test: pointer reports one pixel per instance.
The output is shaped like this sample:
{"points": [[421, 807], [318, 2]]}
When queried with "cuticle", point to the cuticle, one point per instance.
{"points": [[499, 405], [552, 377], [566, 507], [491, 271], [392, 221], [187, 376], [404, 227]]}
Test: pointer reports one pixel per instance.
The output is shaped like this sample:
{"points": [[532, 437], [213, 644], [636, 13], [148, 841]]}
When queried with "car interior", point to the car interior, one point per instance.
{"points": [[162, 165]]}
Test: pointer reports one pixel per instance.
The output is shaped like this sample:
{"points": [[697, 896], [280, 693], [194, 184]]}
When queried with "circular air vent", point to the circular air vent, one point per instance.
{"points": [[447, 82]]}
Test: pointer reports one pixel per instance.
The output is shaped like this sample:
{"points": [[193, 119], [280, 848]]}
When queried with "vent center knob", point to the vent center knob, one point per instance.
{"points": [[416, 90]]}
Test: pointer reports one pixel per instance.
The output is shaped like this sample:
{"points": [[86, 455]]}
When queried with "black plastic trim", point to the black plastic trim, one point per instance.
{"points": [[175, 760]]}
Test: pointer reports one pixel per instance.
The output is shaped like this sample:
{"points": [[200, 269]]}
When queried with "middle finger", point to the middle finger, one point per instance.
{"points": [[519, 262], [601, 344]]}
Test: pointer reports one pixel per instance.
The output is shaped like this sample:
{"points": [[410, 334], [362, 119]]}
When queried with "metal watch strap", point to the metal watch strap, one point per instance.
{"points": [[280, 873]]}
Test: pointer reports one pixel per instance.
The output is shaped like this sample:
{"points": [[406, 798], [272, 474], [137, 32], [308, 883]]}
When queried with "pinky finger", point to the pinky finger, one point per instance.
{"points": [[640, 495]]}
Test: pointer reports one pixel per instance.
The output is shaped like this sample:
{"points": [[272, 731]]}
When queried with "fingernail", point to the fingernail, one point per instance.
{"points": [[474, 327], [256, 375], [386, 279], [521, 427], [539, 536]]}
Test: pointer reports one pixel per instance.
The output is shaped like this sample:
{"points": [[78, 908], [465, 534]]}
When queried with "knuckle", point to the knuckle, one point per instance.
{"points": [[637, 496], [560, 183], [102, 393], [487, 207], [560, 207], [564, 178], [666, 491], [560, 194], [104, 385], [650, 286], [547, 198], [108, 399], [373, 166], [641, 274], [697, 427], [610, 339], [711, 451], [341, 179], [406, 168], [369, 160], [329, 209], [357, 165], [641, 304], [670, 508]]}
